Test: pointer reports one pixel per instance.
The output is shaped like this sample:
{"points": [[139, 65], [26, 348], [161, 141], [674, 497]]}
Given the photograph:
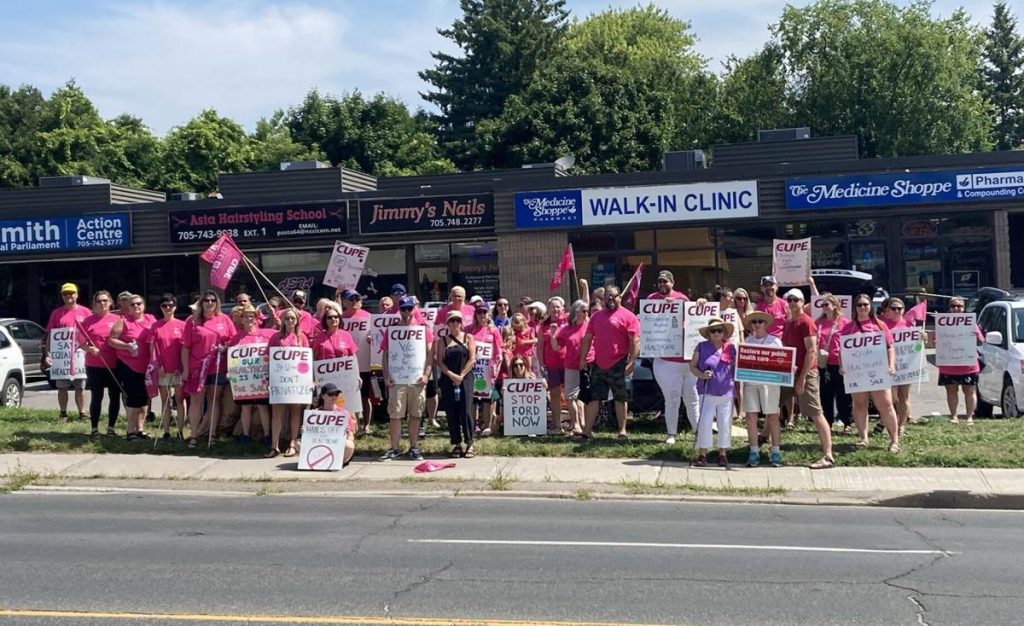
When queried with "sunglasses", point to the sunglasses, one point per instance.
{"points": [[405, 308], [863, 305], [744, 298], [102, 300], [793, 300], [333, 394], [332, 317], [896, 308], [138, 304], [209, 300], [757, 322], [166, 305], [716, 331], [454, 321]]}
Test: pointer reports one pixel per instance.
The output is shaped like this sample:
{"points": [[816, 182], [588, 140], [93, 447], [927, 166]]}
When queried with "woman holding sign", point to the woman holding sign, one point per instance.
{"points": [[570, 338], [290, 336], [864, 321], [963, 376], [553, 359], [485, 372], [250, 334], [132, 339], [327, 400], [760, 397], [334, 342], [835, 402], [892, 316], [204, 369], [714, 363], [455, 352]]}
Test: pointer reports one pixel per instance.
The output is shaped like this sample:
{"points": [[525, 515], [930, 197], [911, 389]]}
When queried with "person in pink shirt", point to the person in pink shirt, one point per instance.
{"points": [[773, 305], [456, 302], [203, 343], [397, 293], [167, 336], [836, 404], [614, 333], [678, 385], [483, 332], [891, 311], [569, 339], [252, 334], [100, 361], [353, 312], [864, 321], [69, 315], [132, 338], [308, 323], [553, 359], [963, 376], [334, 342], [524, 339], [290, 336]]}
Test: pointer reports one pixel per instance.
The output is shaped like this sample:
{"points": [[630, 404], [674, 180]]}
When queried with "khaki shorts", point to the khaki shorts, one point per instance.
{"points": [[169, 380], [67, 384], [810, 400], [760, 398], [406, 401]]}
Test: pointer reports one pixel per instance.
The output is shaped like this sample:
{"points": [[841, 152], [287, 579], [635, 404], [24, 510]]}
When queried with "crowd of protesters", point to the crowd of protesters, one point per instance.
{"points": [[586, 353]]}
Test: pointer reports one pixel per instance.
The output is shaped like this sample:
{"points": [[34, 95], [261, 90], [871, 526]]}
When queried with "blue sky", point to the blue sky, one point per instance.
{"points": [[166, 61]]}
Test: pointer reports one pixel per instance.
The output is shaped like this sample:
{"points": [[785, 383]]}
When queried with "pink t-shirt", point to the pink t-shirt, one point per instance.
{"points": [[523, 335], [417, 315], [570, 337], [467, 310], [202, 339], [829, 332], [334, 345], [891, 325], [489, 334], [867, 326], [167, 336], [291, 340], [358, 314], [63, 317], [778, 311], [308, 324], [613, 333], [672, 295], [553, 359], [139, 332], [256, 335], [97, 328]]}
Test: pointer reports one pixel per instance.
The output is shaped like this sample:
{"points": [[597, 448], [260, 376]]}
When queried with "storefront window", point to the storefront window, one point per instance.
{"points": [[799, 230], [745, 255], [866, 229], [949, 255], [475, 267], [384, 267]]}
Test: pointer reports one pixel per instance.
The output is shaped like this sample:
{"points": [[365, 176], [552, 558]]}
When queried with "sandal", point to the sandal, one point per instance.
{"points": [[861, 443], [193, 443], [894, 447], [954, 420], [469, 453], [111, 432], [702, 460], [456, 452], [94, 434], [271, 454], [291, 451], [824, 462]]}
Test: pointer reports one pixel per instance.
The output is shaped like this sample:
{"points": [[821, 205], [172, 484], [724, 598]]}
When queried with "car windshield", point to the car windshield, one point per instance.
{"points": [[1018, 325]]}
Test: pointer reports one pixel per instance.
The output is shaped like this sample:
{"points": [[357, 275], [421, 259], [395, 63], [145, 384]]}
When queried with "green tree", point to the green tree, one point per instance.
{"points": [[272, 144], [20, 110], [72, 136], [131, 154], [900, 79], [752, 97], [1004, 77], [626, 86], [502, 44], [194, 154]]}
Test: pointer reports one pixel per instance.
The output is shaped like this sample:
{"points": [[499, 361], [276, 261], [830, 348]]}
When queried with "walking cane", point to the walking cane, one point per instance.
{"points": [[216, 401], [696, 428]]}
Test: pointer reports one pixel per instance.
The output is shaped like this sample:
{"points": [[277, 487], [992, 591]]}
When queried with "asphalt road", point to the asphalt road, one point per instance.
{"points": [[370, 559]]}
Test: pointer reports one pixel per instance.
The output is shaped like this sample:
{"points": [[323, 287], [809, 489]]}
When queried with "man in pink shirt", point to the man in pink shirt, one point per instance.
{"points": [[69, 315], [355, 318], [614, 332], [397, 293], [308, 324], [457, 302], [773, 305], [678, 384]]}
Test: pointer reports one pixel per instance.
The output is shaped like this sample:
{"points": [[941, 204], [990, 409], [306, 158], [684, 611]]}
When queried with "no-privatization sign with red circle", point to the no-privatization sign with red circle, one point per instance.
{"points": [[323, 440]]}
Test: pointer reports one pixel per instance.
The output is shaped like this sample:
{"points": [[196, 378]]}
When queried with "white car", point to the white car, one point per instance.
{"points": [[12, 370], [1001, 380]]}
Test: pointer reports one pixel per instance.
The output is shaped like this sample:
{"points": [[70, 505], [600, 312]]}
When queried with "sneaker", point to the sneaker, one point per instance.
{"points": [[422, 433], [131, 437], [166, 437], [671, 440], [390, 455], [415, 454], [776, 459], [485, 432], [753, 459], [143, 435]]}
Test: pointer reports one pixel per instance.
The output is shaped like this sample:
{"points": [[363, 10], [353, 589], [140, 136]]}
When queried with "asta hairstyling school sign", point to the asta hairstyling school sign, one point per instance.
{"points": [[404, 215], [107, 231], [268, 223]]}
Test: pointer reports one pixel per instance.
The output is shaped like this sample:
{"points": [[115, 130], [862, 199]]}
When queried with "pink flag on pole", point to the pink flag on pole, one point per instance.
{"points": [[224, 258], [564, 266], [632, 295], [917, 313]]}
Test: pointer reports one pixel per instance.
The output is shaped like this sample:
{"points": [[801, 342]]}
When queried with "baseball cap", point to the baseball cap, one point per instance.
{"points": [[769, 279], [299, 294], [666, 275], [124, 295], [453, 315], [794, 293], [351, 294], [540, 306], [398, 288], [481, 306], [69, 287], [406, 303], [476, 299], [329, 389]]}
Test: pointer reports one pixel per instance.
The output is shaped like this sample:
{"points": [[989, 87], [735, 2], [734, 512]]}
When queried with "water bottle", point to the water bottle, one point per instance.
{"points": [[458, 392], [133, 348]]}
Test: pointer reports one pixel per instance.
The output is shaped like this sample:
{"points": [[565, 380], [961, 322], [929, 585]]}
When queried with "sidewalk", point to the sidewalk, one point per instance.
{"points": [[559, 477]]}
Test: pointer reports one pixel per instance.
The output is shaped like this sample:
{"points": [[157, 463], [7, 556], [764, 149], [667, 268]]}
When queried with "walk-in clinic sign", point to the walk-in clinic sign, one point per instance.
{"points": [[108, 231]]}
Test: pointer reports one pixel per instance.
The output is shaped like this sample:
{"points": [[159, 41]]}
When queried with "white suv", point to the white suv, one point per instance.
{"points": [[1001, 381], [12, 370]]}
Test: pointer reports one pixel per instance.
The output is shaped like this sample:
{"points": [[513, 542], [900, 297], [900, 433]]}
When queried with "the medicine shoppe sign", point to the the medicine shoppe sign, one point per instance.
{"points": [[452, 214], [268, 223]]}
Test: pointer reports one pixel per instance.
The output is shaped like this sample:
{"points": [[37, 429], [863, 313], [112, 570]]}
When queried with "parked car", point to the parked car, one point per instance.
{"points": [[29, 337], [985, 295], [12, 370], [1001, 380]]}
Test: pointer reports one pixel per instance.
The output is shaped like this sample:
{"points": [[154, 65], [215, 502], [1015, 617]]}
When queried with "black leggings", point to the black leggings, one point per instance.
{"points": [[98, 379], [460, 424], [833, 390]]}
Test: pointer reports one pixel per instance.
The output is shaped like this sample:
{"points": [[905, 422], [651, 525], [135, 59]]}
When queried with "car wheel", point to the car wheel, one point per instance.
{"points": [[11, 393], [1008, 400], [983, 409]]}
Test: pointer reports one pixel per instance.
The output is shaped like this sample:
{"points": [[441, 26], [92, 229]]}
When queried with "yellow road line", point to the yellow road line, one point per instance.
{"points": [[290, 619]]}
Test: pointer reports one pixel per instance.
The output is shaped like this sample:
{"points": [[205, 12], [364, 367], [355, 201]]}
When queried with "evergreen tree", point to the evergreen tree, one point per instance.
{"points": [[1004, 77], [503, 43]]}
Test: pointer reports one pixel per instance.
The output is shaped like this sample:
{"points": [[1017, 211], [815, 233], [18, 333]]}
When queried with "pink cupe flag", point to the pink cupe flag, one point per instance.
{"points": [[916, 313], [567, 263], [632, 295], [224, 258]]}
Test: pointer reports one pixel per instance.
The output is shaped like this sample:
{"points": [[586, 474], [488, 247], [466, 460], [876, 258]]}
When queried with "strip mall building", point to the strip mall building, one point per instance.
{"points": [[944, 223]]}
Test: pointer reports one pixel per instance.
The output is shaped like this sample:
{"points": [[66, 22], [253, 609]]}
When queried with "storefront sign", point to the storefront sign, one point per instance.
{"points": [[911, 366], [956, 342], [109, 231], [448, 213], [765, 365], [661, 328], [275, 223], [323, 440], [623, 206], [524, 407], [865, 361], [861, 190]]}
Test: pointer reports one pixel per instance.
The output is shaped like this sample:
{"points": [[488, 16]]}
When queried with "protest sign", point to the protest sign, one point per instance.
{"points": [[323, 440], [343, 372], [67, 361], [345, 266], [359, 328], [379, 324], [525, 406], [845, 305], [910, 362], [483, 370], [291, 375], [697, 316], [955, 340], [733, 317], [407, 353], [865, 362], [249, 371], [766, 365], [791, 261], [661, 328]]}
